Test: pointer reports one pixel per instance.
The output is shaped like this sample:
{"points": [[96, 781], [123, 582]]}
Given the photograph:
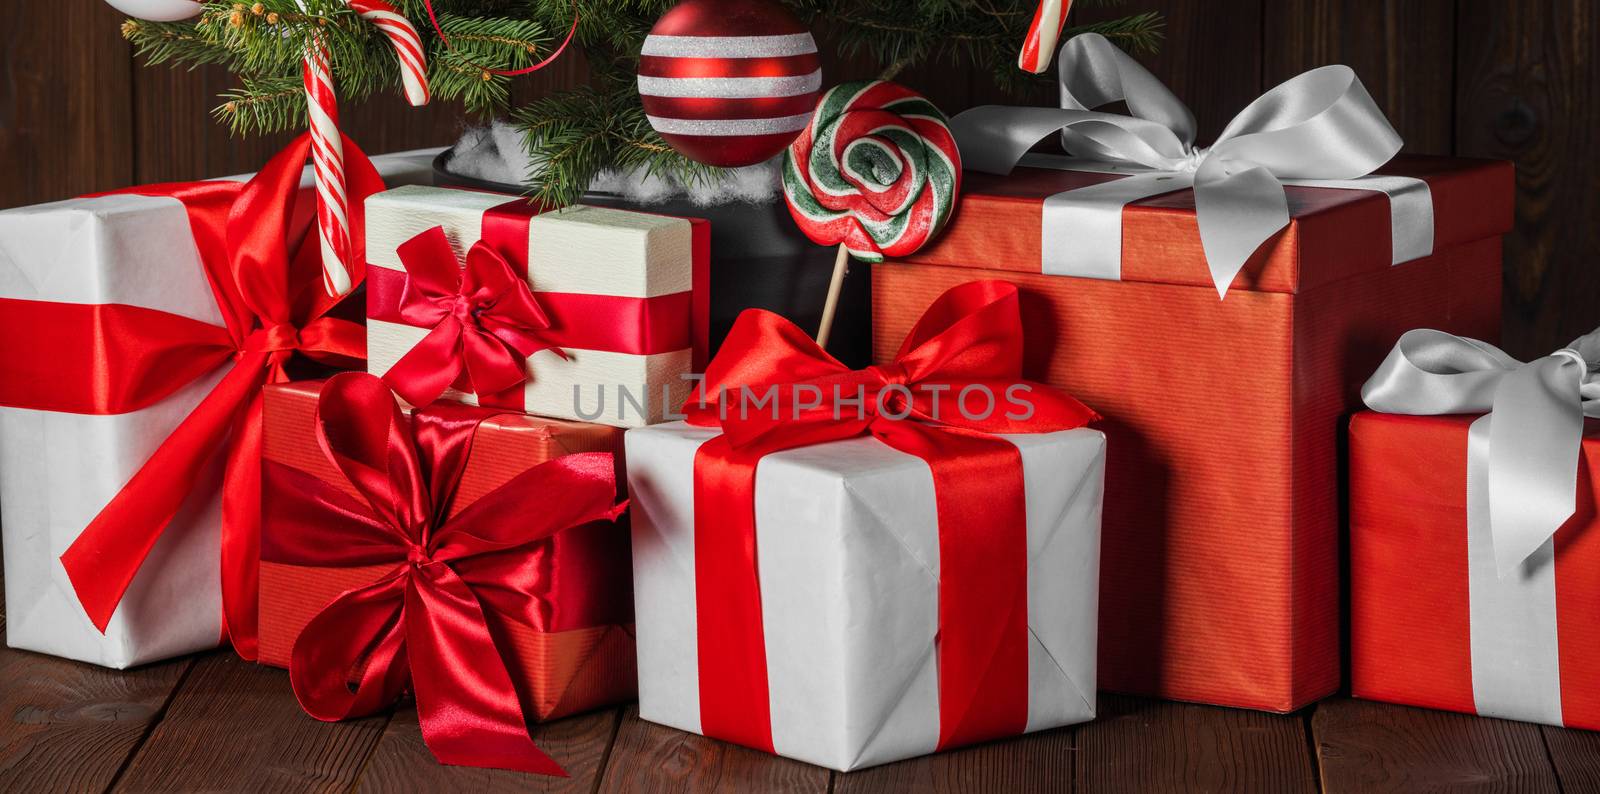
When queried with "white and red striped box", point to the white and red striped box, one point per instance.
{"points": [[624, 268], [58, 470]]}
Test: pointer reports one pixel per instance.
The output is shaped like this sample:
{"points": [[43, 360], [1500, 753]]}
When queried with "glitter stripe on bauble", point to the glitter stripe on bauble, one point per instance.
{"points": [[876, 170], [723, 81]]}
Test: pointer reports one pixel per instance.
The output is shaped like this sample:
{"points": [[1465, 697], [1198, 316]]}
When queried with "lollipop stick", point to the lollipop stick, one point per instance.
{"points": [[841, 265]]}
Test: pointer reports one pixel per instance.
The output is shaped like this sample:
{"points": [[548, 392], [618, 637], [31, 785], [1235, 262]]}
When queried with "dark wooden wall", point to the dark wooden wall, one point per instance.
{"points": [[1518, 80]]}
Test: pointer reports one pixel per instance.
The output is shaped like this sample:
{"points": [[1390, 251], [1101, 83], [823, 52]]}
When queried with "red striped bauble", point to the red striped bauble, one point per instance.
{"points": [[729, 82]]}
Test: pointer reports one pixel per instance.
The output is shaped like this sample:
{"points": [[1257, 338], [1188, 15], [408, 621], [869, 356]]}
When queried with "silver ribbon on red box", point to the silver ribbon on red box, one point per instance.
{"points": [[1320, 129], [1522, 486]]}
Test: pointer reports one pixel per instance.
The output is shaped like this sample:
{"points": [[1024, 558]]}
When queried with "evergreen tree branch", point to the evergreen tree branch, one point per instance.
{"points": [[263, 105], [460, 70]]}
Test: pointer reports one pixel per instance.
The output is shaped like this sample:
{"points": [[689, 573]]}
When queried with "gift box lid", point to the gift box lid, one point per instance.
{"points": [[1333, 233], [505, 445], [579, 249]]}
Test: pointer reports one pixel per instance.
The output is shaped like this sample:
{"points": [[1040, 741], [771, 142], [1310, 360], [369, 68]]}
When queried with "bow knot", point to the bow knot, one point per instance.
{"points": [[483, 318], [891, 373], [1193, 156], [279, 341], [1535, 411]]}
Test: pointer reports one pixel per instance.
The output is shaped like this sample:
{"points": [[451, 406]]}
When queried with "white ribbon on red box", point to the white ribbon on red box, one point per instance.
{"points": [[1320, 129], [1522, 471]]}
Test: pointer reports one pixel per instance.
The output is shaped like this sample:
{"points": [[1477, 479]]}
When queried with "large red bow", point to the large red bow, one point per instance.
{"points": [[484, 320], [108, 359], [955, 382], [424, 623]]}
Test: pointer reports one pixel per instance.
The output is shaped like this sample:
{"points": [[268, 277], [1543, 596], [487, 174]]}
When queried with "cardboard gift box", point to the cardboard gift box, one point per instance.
{"points": [[1432, 623], [848, 545], [1220, 571], [626, 295], [582, 658], [59, 469]]}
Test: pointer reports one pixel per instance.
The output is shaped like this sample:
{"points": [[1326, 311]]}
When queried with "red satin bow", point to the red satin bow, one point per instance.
{"points": [[109, 359], [424, 623], [484, 320], [969, 342]]}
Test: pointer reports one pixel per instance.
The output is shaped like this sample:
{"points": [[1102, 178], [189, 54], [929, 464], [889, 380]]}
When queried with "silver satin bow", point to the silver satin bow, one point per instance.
{"points": [[1321, 125], [1536, 432]]}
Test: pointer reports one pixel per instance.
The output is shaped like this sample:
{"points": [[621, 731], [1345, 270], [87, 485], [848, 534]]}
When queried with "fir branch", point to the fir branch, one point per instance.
{"points": [[460, 69], [1140, 34], [178, 42], [263, 105], [575, 135]]}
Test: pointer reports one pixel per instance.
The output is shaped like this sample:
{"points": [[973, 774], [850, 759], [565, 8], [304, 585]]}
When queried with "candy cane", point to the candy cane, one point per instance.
{"points": [[1040, 45], [327, 149]]}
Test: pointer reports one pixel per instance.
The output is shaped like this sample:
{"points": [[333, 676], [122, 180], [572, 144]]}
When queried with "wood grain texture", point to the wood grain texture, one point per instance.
{"points": [[1403, 51], [66, 726], [236, 726], [1210, 56], [66, 122], [402, 763], [1039, 762], [1527, 92], [658, 759], [1139, 745], [1367, 746], [1575, 756]]}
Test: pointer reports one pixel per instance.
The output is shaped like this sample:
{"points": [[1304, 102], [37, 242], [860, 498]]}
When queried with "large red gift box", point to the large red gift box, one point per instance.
{"points": [[1219, 567], [586, 657], [1411, 610]]}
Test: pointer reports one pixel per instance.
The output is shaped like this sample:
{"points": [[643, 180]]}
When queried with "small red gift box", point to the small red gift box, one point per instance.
{"points": [[1527, 646], [583, 655], [1219, 569]]}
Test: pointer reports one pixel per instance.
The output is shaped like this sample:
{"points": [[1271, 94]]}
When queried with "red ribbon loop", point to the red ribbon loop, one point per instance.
{"points": [[484, 318], [249, 237], [424, 623], [772, 388]]}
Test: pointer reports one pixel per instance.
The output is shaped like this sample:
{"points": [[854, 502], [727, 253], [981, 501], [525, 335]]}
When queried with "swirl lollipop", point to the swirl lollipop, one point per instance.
{"points": [[876, 172]]}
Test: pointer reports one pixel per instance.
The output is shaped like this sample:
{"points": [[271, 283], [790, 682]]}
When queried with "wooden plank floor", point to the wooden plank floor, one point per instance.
{"points": [[214, 723]]}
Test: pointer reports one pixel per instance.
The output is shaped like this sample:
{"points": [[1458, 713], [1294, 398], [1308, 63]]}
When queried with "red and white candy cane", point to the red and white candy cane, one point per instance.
{"points": [[1040, 45], [327, 149]]}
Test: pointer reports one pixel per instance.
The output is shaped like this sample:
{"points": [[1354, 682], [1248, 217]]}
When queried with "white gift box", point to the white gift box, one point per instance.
{"points": [[58, 470], [580, 250], [847, 547]]}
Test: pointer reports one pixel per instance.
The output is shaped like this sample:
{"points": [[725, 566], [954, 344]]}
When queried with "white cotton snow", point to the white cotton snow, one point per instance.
{"points": [[496, 154]]}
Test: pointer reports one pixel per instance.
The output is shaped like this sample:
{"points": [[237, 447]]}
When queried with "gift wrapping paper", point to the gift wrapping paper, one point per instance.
{"points": [[57, 470], [1220, 570], [653, 264], [847, 546], [586, 660], [1432, 623]]}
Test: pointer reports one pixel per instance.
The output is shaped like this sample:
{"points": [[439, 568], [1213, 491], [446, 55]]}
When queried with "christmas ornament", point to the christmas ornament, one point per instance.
{"points": [[729, 82], [876, 172], [1045, 30], [327, 149], [157, 10]]}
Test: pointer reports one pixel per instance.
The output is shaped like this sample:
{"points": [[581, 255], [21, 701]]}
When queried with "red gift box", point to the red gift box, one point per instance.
{"points": [[1411, 612], [585, 656], [1219, 568]]}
